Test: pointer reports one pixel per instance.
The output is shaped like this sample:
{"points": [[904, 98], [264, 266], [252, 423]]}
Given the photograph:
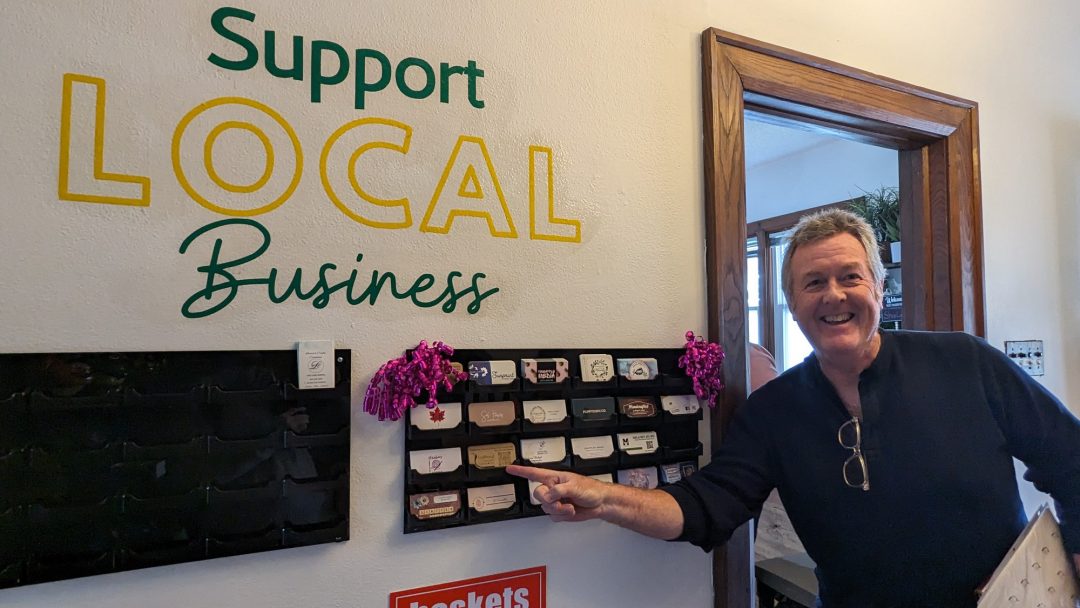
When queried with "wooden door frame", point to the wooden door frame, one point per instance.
{"points": [[940, 199]]}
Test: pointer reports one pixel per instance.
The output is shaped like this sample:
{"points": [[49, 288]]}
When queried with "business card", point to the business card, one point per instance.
{"points": [[442, 417], [546, 411], [680, 405], [637, 407], [544, 450], [636, 444], [492, 372], [591, 448], [596, 367], [492, 498], [670, 473], [687, 468], [644, 478], [545, 371], [637, 369], [429, 462], [315, 364], [593, 409], [492, 413], [435, 505], [492, 455]]}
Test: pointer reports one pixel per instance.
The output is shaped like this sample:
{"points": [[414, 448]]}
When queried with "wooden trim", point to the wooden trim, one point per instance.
{"points": [[780, 223], [959, 227], [797, 116], [796, 57], [767, 296], [972, 209], [918, 237], [940, 202], [939, 315], [965, 210], [838, 96], [724, 275], [725, 231], [786, 113]]}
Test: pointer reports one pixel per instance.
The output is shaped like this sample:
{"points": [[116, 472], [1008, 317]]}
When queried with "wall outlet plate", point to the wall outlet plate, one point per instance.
{"points": [[1028, 354]]}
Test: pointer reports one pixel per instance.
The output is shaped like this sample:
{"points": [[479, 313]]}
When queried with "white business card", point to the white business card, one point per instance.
{"points": [[429, 462], [546, 411], [680, 405], [596, 368], [315, 364], [491, 498], [591, 448], [442, 416], [544, 450], [638, 443]]}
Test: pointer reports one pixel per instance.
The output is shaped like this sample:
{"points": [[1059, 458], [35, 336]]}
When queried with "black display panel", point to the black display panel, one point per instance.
{"points": [[118, 461], [483, 427]]}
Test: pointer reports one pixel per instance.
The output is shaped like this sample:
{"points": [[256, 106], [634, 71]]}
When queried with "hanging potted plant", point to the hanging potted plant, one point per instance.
{"points": [[881, 209]]}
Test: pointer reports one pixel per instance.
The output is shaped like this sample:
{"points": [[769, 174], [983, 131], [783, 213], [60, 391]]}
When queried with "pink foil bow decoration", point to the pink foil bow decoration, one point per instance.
{"points": [[704, 363], [397, 384]]}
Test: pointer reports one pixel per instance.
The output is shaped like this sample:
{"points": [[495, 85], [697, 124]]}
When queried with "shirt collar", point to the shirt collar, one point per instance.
{"points": [[876, 369]]}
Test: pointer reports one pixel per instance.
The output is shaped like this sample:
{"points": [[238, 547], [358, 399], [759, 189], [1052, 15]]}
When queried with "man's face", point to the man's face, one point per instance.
{"points": [[835, 301]]}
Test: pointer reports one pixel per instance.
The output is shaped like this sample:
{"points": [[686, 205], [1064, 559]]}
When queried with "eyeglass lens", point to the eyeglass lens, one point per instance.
{"points": [[855, 473], [850, 435]]}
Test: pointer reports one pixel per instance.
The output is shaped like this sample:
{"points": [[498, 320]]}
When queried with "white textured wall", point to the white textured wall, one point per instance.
{"points": [[613, 87]]}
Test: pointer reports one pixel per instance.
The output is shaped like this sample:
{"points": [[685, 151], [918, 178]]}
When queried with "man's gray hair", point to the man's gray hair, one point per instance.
{"points": [[825, 224]]}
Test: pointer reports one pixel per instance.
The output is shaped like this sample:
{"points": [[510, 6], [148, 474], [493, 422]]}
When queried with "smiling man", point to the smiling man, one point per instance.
{"points": [[891, 450], [835, 292]]}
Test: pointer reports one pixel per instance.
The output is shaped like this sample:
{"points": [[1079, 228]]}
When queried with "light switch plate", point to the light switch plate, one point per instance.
{"points": [[1028, 354]]}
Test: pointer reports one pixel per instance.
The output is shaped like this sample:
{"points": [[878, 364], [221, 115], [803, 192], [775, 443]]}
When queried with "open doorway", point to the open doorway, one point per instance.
{"points": [[936, 136], [791, 172]]}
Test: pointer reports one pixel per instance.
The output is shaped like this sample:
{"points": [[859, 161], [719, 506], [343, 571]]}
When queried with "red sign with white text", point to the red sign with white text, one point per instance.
{"points": [[518, 589]]}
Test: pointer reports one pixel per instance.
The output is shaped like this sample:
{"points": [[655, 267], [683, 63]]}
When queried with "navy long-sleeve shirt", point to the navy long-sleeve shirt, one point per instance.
{"points": [[943, 415]]}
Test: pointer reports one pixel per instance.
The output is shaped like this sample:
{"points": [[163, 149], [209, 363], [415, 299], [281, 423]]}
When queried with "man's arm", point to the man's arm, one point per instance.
{"points": [[1042, 433], [568, 496]]}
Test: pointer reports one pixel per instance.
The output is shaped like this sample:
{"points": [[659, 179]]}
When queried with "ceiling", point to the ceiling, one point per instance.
{"points": [[766, 142]]}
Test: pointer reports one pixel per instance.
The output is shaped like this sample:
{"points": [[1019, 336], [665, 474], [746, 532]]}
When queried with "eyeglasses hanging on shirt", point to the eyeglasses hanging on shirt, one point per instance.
{"points": [[856, 474]]}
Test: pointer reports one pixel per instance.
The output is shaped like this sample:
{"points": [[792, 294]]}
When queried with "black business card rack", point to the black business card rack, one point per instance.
{"points": [[119, 461], [679, 442]]}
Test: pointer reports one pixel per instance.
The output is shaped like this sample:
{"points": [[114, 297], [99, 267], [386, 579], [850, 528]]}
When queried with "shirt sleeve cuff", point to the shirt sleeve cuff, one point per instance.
{"points": [[694, 529]]}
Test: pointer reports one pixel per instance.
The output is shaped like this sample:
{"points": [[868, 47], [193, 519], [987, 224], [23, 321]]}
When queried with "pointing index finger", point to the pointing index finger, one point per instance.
{"points": [[544, 476]]}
